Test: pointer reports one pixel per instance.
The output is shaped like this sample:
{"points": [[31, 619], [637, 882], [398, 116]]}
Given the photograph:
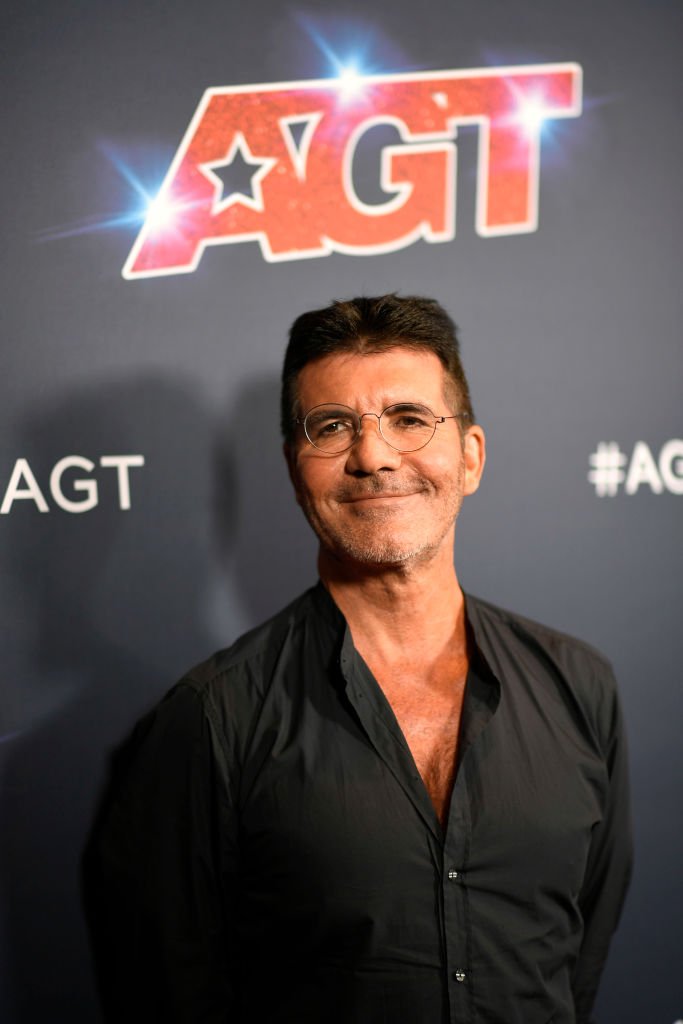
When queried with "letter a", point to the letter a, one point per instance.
{"points": [[31, 492]]}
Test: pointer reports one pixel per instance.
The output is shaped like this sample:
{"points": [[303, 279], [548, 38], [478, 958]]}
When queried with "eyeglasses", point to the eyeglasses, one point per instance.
{"points": [[406, 427]]}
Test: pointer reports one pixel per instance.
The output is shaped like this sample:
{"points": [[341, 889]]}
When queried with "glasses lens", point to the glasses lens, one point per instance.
{"points": [[407, 427], [332, 428]]}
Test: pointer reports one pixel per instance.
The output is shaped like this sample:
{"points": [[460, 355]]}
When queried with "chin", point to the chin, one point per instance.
{"points": [[382, 543], [381, 553]]}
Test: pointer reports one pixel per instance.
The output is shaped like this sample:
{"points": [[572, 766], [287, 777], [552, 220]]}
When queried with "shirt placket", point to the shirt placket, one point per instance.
{"points": [[482, 695], [454, 894], [481, 699]]}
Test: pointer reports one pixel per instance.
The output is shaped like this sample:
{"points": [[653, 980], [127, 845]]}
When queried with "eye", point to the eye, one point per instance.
{"points": [[329, 423], [331, 427], [409, 418], [407, 421]]}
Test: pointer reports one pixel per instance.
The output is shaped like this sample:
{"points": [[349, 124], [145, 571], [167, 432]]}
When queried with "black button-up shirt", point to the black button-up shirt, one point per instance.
{"points": [[268, 851]]}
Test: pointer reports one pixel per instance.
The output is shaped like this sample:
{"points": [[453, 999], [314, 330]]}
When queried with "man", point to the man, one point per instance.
{"points": [[392, 803]]}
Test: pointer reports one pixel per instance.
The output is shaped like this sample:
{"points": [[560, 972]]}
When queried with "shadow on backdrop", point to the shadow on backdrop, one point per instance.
{"points": [[112, 609], [274, 558]]}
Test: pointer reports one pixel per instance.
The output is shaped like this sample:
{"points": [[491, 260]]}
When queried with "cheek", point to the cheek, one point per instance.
{"points": [[313, 478], [445, 467]]}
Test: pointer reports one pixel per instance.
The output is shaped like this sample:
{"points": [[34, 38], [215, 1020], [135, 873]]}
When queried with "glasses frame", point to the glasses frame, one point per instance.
{"points": [[360, 416]]}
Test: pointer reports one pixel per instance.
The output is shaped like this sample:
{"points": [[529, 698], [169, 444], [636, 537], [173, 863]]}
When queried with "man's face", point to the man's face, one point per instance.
{"points": [[373, 504]]}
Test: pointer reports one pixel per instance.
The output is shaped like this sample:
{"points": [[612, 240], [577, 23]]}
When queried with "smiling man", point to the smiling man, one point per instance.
{"points": [[391, 803], [391, 499]]}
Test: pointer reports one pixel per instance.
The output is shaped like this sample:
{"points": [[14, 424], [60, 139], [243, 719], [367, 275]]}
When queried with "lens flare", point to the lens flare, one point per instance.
{"points": [[532, 112], [350, 81]]}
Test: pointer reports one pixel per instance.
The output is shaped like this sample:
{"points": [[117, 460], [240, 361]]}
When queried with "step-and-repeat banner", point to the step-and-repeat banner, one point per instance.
{"points": [[179, 182]]}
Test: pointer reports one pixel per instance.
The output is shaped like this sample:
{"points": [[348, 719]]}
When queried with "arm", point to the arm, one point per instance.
{"points": [[159, 873], [609, 865]]}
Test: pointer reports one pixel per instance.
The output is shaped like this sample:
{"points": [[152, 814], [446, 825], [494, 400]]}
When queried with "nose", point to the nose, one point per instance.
{"points": [[370, 452]]}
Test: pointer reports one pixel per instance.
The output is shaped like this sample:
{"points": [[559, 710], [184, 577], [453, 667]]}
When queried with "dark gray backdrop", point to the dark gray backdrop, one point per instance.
{"points": [[570, 337]]}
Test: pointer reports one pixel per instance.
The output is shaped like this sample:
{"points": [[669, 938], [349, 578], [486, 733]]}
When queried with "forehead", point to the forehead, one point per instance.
{"points": [[373, 379]]}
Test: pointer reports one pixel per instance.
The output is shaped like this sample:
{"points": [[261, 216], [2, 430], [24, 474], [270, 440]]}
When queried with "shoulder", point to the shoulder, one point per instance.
{"points": [[217, 702], [252, 657], [575, 670], [233, 684], [522, 630]]}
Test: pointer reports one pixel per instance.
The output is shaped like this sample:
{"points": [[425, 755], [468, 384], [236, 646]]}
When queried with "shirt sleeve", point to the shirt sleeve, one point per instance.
{"points": [[609, 864], [159, 873]]}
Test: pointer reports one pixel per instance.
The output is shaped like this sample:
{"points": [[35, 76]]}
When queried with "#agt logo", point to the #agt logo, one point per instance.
{"points": [[298, 140]]}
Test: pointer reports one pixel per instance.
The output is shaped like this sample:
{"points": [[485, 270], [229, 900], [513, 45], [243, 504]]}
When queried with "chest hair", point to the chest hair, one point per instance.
{"points": [[428, 712]]}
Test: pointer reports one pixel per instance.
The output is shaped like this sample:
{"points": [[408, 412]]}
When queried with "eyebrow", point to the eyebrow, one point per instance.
{"points": [[388, 405]]}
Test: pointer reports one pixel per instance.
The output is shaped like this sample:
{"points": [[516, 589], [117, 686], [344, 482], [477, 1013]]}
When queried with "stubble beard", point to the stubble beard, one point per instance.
{"points": [[367, 539]]}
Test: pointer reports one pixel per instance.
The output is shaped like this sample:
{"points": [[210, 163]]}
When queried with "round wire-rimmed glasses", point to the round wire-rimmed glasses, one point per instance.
{"points": [[407, 427]]}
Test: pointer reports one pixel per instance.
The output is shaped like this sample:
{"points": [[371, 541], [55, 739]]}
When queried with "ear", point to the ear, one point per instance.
{"points": [[290, 459], [474, 452]]}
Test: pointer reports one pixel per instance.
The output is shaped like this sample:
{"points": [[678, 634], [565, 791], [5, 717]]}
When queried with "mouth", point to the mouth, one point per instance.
{"points": [[378, 499]]}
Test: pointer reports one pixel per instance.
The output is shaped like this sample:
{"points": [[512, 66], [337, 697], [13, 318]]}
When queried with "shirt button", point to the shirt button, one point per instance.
{"points": [[453, 875], [459, 975]]}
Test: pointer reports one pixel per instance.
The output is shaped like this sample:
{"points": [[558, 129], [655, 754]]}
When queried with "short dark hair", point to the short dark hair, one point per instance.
{"points": [[371, 325]]}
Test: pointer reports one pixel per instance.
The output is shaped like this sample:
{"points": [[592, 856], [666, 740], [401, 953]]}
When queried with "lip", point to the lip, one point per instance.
{"points": [[362, 499]]}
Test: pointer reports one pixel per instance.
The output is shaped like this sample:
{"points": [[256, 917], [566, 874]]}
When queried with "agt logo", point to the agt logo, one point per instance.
{"points": [[297, 142], [69, 491]]}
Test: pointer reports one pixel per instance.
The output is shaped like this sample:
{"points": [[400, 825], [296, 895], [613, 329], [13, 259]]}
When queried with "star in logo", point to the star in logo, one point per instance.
{"points": [[235, 178]]}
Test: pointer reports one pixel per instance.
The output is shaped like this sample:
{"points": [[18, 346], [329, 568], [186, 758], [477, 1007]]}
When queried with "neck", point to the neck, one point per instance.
{"points": [[390, 607]]}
